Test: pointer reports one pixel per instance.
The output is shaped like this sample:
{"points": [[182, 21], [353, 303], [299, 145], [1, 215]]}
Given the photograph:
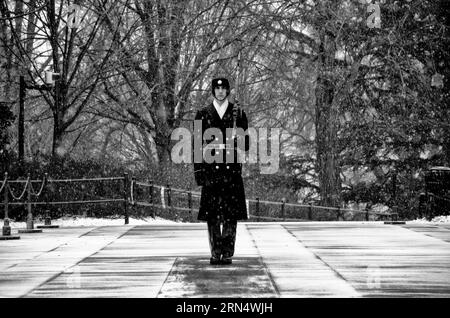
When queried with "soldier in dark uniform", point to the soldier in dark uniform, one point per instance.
{"points": [[222, 201]]}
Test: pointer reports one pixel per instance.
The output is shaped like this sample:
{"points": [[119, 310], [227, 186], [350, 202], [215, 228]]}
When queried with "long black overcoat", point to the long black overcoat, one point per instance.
{"points": [[223, 191]]}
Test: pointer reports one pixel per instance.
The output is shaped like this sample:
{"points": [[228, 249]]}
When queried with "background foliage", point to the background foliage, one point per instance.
{"points": [[362, 107]]}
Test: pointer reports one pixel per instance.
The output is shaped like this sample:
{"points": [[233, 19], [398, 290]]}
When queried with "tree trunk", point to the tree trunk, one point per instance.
{"points": [[5, 57], [56, 109], [327, 124], [162, 60], [163, 154], [58, 134]]}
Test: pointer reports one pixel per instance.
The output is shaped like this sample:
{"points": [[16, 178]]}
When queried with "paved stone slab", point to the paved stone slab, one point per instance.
{"points": [[381, 260], [14, 253], [47, 259], [136, 265], [296, 271], [139, 263], [305, 259], [439, 231], [195, 277]]}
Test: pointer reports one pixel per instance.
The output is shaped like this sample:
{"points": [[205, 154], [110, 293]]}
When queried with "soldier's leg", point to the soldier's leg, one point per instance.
{"points": [[228, 238], [214, 237]]}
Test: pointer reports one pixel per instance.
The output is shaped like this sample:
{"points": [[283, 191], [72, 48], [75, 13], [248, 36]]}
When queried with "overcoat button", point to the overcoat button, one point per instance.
{"points": [[217, 167], [228, 167]]}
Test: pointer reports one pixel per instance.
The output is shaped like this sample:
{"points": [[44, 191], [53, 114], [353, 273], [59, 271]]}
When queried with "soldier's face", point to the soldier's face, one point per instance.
{"points": [[220, 93]]}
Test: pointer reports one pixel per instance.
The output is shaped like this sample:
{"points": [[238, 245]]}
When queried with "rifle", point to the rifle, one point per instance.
{"points": [[236, 109]]}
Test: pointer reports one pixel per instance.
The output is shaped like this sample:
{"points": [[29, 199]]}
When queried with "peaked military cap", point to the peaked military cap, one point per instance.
{"points": [[220, 81]]}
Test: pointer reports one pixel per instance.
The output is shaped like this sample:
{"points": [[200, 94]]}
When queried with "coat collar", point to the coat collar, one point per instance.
{"points": [[221, 108], [227, 116]]}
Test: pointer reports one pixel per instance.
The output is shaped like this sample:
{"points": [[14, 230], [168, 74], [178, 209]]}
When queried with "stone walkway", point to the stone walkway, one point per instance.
{"points": [[272, 260]]}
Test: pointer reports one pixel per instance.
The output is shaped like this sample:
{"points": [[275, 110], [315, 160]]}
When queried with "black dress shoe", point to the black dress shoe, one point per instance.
{"points": [[226, 261], [214, 261]]}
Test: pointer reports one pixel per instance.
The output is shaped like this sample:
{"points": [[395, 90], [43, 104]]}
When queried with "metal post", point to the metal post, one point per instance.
{"points": [[21, 125], [394, 194], [257, 209], [168, 196], [6, 196], [48, 219], [125, 196], [338, 213], [283, 201], [422, 199], [169, 200], [30, 222], [394, 186], [132, 197], [150, 199], [367, 213], [190, 205], [6, 231], [427, 206], [6, 227], [310, 212]]}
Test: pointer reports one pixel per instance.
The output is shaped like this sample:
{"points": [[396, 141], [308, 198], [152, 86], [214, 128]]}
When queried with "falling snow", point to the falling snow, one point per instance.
{"points": [[88, 222]]}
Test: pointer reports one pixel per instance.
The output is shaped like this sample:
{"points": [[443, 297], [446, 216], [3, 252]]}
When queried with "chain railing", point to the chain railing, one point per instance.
{"points": [[158, 200], [169, 201], [23, 193], [431, 204]]}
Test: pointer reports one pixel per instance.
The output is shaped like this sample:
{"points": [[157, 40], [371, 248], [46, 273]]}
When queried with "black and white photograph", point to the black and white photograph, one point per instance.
{"points": [[221, 156]]}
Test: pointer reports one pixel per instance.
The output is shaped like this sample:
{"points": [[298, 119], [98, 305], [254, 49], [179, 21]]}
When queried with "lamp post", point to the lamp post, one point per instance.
{"points": [[22, 93], [23, 86]]}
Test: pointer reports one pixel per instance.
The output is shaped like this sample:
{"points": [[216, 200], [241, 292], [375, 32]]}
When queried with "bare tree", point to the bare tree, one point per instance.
{"points": [[171, 47], [69, 50]]}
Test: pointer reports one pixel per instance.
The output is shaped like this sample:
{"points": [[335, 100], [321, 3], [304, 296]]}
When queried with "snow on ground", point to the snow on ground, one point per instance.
{"points": [[436, 219], [78, 221]]}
